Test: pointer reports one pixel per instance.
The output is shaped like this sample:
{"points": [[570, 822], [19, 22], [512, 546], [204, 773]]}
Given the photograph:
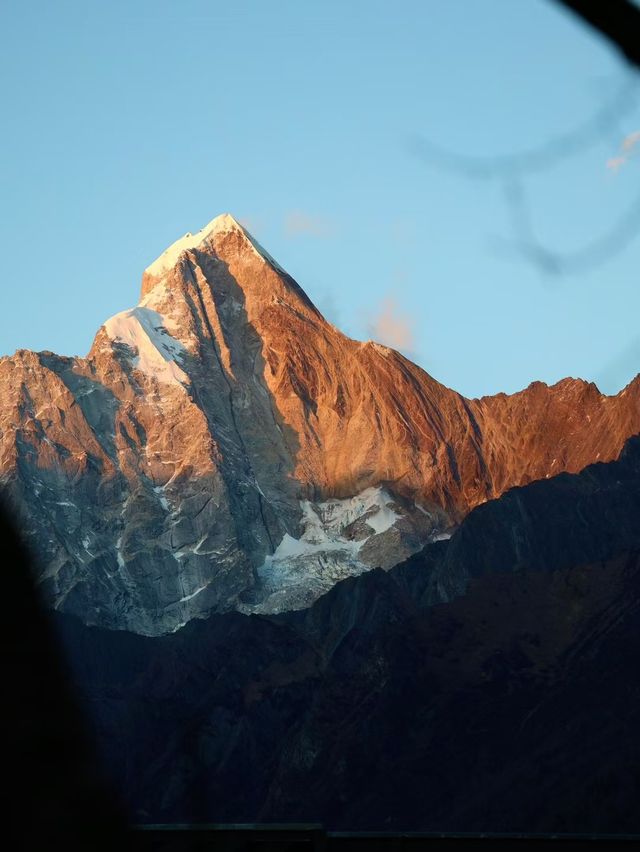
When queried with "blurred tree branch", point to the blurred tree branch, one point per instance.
{"points": [[525, 241], [512, 171], [619, 22], [560, 147]]}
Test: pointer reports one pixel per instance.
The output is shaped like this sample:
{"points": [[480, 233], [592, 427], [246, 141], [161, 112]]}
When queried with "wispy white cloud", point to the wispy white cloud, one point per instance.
{"points": [[615, 163], [629, 147], [251, 223], [297, 223], [392, 327], [630, 141]]}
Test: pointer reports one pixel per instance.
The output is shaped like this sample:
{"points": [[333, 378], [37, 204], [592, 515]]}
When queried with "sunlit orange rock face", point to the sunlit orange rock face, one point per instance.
{"points": [[157, 475]]}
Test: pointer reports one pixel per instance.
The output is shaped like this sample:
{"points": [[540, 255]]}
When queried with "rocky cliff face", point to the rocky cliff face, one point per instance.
{"points": [[512, 706], [222, 446]]}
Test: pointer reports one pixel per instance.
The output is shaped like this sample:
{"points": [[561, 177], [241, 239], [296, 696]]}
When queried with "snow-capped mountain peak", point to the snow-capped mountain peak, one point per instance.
{"points": [[222, 446], [171, 255]]}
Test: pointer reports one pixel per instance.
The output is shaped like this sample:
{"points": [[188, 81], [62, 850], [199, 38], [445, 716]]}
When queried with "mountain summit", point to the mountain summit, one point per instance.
{"points": [[169, 257], [223, 446]]}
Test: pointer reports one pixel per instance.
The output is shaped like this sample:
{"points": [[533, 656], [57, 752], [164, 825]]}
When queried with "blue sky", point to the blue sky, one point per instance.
{"points": [[129, 123]]}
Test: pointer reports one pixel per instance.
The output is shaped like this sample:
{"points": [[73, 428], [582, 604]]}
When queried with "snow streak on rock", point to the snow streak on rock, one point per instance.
{"points": [[155, 352]]}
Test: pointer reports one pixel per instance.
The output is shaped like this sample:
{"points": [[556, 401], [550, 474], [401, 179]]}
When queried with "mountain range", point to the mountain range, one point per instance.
{"points": [[298, 579], [223, 447]]}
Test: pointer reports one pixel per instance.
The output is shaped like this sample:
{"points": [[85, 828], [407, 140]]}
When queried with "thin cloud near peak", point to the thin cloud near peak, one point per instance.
{"points": [[627, 150], [298, 223], [391, 326]]}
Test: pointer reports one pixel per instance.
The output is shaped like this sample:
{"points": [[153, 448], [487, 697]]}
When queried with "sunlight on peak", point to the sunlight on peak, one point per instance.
{"points": [[169, 257]]}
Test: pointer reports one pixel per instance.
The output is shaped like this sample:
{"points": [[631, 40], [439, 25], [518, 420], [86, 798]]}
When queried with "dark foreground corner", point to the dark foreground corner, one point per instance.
{"points": [[54, 796]]}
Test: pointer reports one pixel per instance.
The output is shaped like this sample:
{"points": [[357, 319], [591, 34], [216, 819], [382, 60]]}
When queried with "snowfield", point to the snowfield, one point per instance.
{"points": [[334, 533], [156, 351]]}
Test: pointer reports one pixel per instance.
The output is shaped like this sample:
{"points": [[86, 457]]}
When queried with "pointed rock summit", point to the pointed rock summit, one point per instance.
{"points": [[224, 240], [220, 225], [223, 446]]}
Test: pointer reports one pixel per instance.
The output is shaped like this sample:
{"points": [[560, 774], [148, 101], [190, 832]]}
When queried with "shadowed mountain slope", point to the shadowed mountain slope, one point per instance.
{"points": [[511, 706]]}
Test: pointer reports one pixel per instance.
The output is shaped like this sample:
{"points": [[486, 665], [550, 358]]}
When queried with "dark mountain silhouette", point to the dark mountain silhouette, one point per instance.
{"points": [[488, 683]]}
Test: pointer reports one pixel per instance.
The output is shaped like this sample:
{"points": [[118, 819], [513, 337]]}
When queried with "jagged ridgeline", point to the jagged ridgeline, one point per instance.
{"points": [[222, 446]]}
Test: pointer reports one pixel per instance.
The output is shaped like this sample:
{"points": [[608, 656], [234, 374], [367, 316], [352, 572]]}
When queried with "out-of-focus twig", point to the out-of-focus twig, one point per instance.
{"points": [[594, 253], [512, 170], [539, 158]]}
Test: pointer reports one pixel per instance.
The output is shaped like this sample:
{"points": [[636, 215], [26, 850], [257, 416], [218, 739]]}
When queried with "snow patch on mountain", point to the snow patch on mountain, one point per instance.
{"points": [[156, 352], [159, 491], [333, 534]]}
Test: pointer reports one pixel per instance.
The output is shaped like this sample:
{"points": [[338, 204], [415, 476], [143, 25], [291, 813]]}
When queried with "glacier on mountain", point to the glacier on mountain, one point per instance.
{"points": [[156, 352], [334, 533]]}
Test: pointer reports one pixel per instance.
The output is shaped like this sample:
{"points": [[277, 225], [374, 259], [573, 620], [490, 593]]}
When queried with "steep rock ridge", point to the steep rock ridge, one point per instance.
{"points": [[548, 525], [166, 475]]}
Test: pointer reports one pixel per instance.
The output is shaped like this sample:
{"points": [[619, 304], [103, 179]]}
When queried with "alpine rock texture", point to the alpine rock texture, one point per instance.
{"points": [[507, 704], [224, 447]]}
